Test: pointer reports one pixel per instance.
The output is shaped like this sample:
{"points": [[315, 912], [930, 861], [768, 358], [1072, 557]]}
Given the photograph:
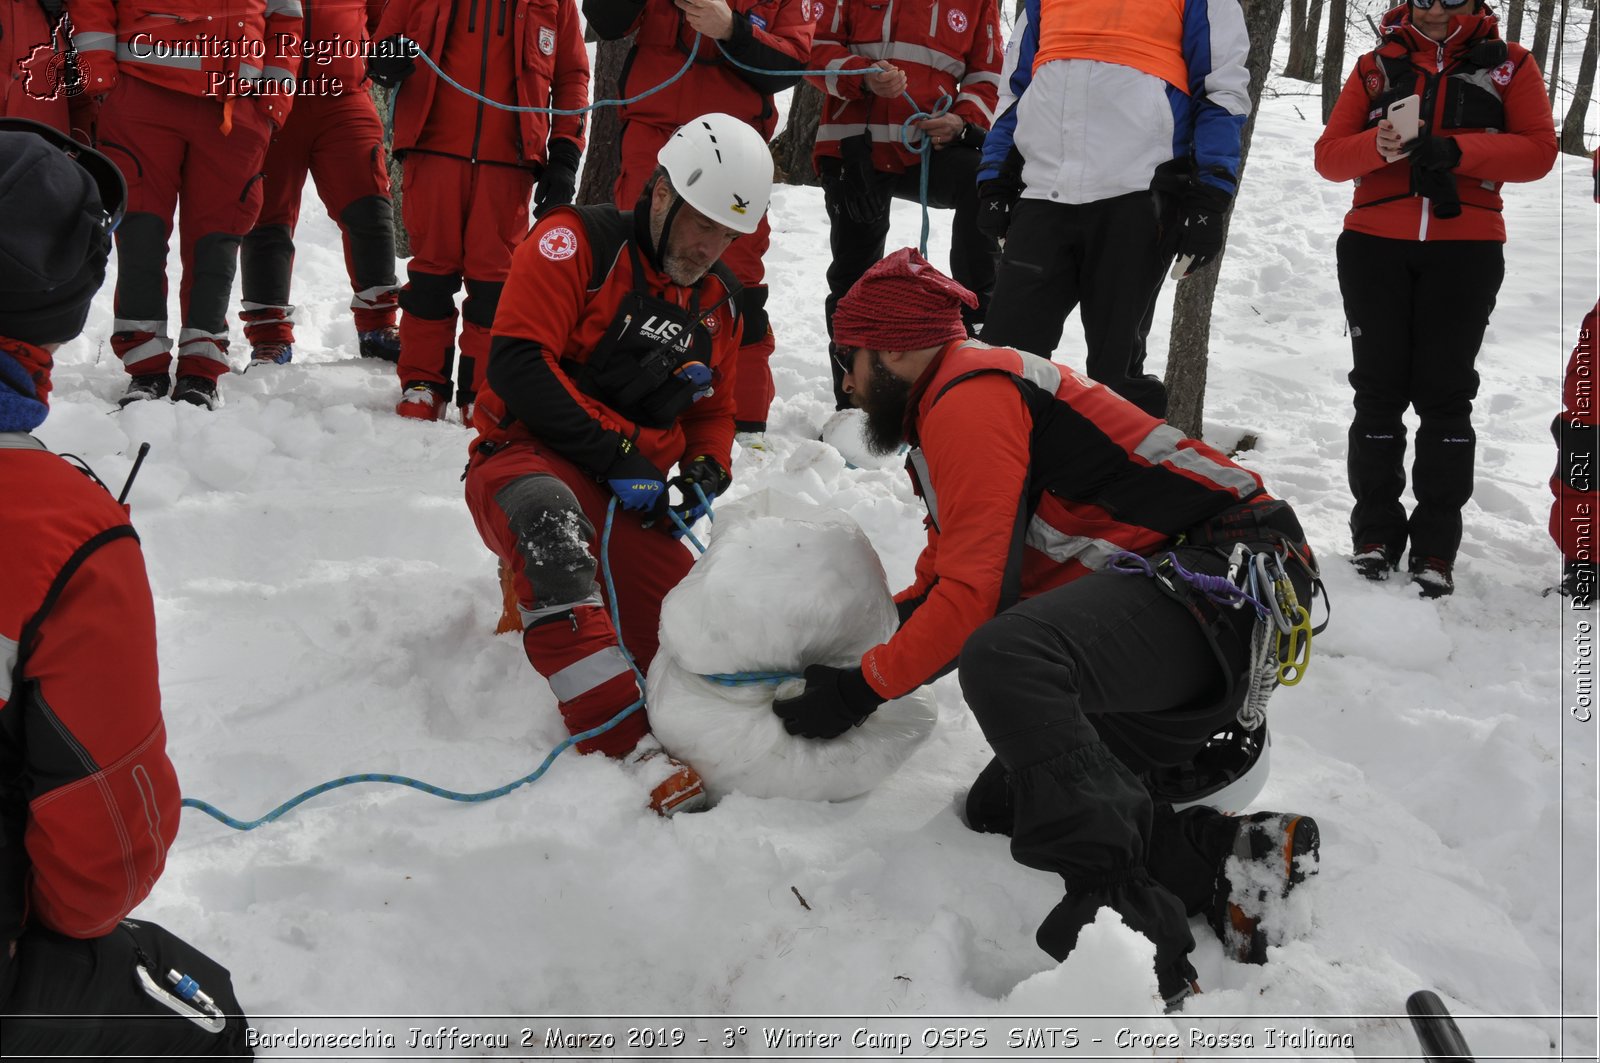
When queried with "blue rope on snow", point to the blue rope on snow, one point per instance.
{"points": [[457, 795]]}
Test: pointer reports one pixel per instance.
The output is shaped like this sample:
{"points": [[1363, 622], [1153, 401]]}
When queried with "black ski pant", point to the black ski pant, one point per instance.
{"points": [[952, 185], [1078, 689], [1417, 312], [73, 997], [1106, 258]]}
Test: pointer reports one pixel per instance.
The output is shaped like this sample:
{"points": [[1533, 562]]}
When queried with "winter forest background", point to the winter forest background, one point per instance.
{"points": [[325, 607]]}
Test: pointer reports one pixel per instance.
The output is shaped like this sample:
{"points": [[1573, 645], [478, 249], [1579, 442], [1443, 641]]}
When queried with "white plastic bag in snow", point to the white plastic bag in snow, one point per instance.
{"points": [[783, 584]]}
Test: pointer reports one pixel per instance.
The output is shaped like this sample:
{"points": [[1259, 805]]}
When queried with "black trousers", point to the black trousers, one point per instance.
{"points": [[1105, 258], [1417, 312], [952, 184], [82, 998], [1078, 689]]}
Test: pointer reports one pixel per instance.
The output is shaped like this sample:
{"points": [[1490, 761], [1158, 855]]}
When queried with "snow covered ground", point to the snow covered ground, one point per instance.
{"points": [[325, 607]]}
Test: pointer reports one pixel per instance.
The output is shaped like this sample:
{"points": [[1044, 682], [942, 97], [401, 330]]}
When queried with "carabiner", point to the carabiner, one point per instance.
{"points": [[1294, 647]]}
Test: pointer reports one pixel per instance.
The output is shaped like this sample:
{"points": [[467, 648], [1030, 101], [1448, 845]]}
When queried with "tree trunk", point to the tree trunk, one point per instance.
{"points": [[1295, 60], [1189, 350], [1553, 75], [402, 240], [602, 162], [1514, 25], [1541, 32], [1333, 62], [791, 149], [1582, 91]]}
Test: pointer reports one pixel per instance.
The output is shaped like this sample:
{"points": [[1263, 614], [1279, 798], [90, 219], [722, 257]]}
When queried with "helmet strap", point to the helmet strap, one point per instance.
{"points": [[656, 250]]}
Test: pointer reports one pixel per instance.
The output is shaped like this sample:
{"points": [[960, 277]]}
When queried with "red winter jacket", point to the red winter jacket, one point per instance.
{"points": [[949, 47], [549, 68], [88, 799], [222, 48], [553, 316], [1499, 117], [29, 86], [334, 40], [1576, 509], [1102, 476], [768, 35]]}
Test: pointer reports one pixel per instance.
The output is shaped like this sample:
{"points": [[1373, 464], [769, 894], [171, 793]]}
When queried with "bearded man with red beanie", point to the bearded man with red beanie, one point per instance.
{"points": [[334, 135], [743, 53], [88, 798], [1421, 259], [191, 94], [469, 168], [1054, 643]]}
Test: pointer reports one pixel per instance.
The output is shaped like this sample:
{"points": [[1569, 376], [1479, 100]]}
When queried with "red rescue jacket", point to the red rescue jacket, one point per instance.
{"points": [[559, 306], [1576, 508], [335, 40], [88, 800], [945, 47], [769, 35], [1498, 114], [1069, 474], [222, 48], [549, 68], [29, 50]]}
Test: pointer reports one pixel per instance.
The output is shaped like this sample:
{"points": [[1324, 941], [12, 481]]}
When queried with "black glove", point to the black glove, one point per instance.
{"points": [[393, 60], [1204, 207], [835, 700], [996, 198], [853, 185], [560, 178], [637, 483], [712, 479], [972, 136], [1433, 162]]}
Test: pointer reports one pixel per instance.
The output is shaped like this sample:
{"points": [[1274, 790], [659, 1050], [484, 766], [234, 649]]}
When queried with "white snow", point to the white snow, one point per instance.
{"points": [[325, 607]]}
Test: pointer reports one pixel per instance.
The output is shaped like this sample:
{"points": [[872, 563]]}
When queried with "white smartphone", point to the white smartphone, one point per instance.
{"points": [[1406, 117]]}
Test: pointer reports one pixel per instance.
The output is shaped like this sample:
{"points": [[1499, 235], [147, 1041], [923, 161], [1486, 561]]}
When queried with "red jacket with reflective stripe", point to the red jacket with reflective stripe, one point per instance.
{"points": [[1499, 117], [1066, 465], [88, 799], [949, 47], [549, 66], [549, 315], [221, 48]]}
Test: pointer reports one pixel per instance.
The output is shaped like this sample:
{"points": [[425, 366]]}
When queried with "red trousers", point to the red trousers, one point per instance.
{"points": [[464, 220], [338, 141], [1576, 509], [753, 388], [178, 161], [571, 640]]}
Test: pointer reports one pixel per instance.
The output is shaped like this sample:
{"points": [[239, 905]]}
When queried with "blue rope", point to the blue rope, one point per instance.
{"points": [[457, 795], [746, 679]]}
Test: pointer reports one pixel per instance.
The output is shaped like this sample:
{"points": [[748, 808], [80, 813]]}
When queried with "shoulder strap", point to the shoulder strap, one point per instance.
{"points": [[608, 231]]}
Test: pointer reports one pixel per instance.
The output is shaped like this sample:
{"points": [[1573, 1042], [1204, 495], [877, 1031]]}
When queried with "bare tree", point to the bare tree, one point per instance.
{"points": [[603, 161], [384, 98], [1305, 24], [1514, 25], [1553, 75], [791, 149], [1333, 62], [1541, 32], [1582, 91], [1189, 350]]}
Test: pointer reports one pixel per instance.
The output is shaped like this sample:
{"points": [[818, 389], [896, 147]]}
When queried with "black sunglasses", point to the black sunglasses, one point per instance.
{"points": [[107, 178], [843, 357], [1448, 5]]}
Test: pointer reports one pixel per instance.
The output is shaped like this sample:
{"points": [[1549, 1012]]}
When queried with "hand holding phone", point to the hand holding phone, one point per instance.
{"points": [[1405, 119]]}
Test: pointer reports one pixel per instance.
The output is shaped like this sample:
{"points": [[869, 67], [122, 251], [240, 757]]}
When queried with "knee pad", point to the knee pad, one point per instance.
{"points": [[266, 259], [483, 299], [369, 226], [553, 535], [215, 256], [431, 296]]}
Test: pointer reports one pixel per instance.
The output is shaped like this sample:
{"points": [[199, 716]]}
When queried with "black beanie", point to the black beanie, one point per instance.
{"points": [[54, 231]]}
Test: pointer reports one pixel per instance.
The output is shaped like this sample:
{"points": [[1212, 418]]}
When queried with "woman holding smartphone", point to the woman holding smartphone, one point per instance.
{"points": [[1420, 261]]}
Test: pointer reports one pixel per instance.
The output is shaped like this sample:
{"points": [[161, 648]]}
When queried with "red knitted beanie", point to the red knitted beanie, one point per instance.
{"points": [[901, 304]]}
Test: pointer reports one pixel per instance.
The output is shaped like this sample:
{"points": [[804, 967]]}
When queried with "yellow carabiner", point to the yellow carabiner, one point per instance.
{"points": [[1294, 646]]}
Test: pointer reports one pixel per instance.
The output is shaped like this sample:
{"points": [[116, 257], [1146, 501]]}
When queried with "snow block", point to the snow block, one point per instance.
{"points": [[784, 584]]}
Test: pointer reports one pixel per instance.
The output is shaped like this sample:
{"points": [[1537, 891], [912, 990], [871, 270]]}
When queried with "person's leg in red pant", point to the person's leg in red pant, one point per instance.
{"points": [[266, 259], [436, 193], [753, 387], [544, 518], [497, 220]]}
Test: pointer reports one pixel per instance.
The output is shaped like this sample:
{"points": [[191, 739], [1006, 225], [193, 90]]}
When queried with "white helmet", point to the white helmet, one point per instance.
{"points": [[721, 167]]}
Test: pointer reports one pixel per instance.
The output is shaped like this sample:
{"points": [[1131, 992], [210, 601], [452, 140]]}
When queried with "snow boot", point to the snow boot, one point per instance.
{"points": [[1372, 561], [674, 786], [420, 402], [1272, 853], [197, 391], [381, 343], [146, 387], [270, 354], [1432, 576]]}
